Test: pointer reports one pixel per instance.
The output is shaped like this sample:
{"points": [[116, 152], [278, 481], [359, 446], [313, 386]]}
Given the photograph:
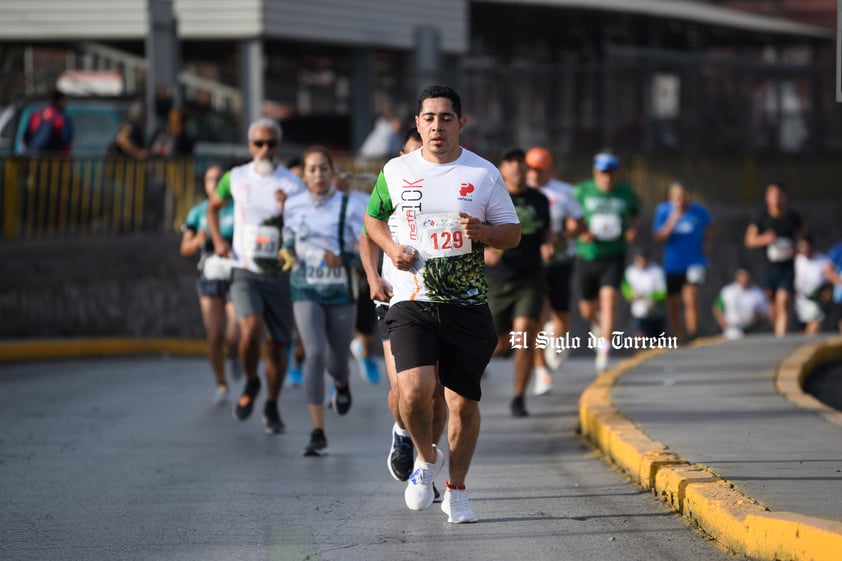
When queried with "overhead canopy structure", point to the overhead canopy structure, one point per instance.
{"points": [[685, 10]]}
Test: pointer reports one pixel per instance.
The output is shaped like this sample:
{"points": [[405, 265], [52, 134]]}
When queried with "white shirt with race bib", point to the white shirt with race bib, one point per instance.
{"points": [[254, 204], [314, 230], [424, 199]]}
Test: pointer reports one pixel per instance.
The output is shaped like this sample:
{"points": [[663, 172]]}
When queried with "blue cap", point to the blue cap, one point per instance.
{"points": [[605, 161]]}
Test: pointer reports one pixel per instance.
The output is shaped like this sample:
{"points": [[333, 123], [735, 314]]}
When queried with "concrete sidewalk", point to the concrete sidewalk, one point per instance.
{"points": [[722, 432]]}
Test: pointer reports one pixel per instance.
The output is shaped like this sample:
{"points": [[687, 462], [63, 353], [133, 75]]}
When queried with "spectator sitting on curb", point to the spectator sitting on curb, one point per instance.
{"points": [[741, 306]]}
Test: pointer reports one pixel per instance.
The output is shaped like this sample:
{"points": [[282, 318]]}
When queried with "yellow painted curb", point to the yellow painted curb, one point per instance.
{"points": [[714, 505], [84, 348]]}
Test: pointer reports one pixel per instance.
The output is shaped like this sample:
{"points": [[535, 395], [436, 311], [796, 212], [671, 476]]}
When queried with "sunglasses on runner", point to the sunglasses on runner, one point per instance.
{"points": [[260, 143]]}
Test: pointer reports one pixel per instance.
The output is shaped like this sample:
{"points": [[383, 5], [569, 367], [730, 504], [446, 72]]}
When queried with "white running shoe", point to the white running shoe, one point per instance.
{"points": [[601, 361], [555, 359], [550, 356], [455, 505], [220, 395], [596, 331], [419, 493], [543, 381]]}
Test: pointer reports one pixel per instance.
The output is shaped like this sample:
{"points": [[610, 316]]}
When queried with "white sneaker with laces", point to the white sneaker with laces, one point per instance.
{"points": [[543, 381], [455, 505], [419, 492]]}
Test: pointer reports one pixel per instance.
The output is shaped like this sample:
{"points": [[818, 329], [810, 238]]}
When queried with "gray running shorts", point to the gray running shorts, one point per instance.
{"points": [[267, 296]]}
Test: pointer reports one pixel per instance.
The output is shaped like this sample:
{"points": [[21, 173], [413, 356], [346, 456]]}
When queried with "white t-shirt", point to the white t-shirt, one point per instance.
{"points": [[563, 205], [425, 199], [313, 230], [809, 276], [809, 273], [255, 205], [741, 305], [649, 287]]}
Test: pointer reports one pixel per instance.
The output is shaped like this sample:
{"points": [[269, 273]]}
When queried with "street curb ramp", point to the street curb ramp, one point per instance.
{"points": [[714, 505]]}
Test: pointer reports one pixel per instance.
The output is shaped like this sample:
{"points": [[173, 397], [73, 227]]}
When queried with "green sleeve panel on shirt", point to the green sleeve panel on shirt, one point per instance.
{"points": [[720, 303], [380, 203], [626, 290], [223, 188], [659, 295]]}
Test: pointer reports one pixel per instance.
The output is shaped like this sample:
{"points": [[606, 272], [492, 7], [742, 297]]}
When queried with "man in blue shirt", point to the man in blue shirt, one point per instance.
{"points": [[686, 230]]}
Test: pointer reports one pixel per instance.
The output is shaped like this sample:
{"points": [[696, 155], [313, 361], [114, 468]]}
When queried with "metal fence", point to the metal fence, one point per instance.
{"points": [[43, 197]]}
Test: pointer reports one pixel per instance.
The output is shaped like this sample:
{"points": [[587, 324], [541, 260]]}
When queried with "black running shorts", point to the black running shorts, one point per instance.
{"points": [[460, 339], [558, 285], [595, 274]]}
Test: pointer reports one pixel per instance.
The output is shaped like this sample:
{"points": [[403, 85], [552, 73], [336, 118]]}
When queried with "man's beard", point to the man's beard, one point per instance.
{"points": [[265, 166]]}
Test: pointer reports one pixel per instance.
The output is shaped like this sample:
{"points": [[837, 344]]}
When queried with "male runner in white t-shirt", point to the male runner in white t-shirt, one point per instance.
{"points": [[449, 204], [259, 288]]}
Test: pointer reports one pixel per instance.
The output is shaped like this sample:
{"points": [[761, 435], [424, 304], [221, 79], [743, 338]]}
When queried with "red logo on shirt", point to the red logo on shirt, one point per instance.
{"points": [[465, 189]]}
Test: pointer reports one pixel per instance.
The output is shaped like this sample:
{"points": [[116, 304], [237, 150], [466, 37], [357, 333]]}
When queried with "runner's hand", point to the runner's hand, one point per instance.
{"points": [[471, 225], [223, 248]]}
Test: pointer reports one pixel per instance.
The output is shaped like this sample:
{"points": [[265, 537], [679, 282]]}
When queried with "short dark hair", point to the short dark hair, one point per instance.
{"points": [[512, 153], [412, 134], [441, 91]]}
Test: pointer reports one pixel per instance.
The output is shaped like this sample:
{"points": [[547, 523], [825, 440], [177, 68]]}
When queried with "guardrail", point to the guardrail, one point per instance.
{"points": [[46, 197]]}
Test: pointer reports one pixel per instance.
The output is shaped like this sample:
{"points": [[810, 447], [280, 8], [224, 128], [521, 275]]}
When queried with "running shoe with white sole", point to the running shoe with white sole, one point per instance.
{"points": [[456, 506], [341, 399], [272, 418], [601, 361], [400, 460], [555, 357], [318, 444], [550, 355], [220, 394], [419, 493], [543, 381]]}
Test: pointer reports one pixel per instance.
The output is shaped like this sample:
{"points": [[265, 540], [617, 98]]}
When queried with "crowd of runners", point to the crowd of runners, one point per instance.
{"points": [[453, 259]]}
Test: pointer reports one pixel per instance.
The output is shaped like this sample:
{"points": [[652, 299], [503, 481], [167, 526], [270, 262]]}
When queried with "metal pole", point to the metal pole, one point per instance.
{"points": [[839, 51]]}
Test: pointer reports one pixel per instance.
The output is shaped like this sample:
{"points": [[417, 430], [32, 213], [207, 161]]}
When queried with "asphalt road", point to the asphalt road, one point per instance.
{"points": [[129, 460]]}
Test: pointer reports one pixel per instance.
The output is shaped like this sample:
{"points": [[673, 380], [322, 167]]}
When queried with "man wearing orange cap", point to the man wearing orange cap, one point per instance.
{"points": [[565, 222]]}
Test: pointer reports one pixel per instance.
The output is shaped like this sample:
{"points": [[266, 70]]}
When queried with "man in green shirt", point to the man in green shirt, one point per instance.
{"points": [[610, 210]]}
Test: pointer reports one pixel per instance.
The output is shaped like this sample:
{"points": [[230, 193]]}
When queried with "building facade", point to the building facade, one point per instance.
{"points": [[574, 75]]}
